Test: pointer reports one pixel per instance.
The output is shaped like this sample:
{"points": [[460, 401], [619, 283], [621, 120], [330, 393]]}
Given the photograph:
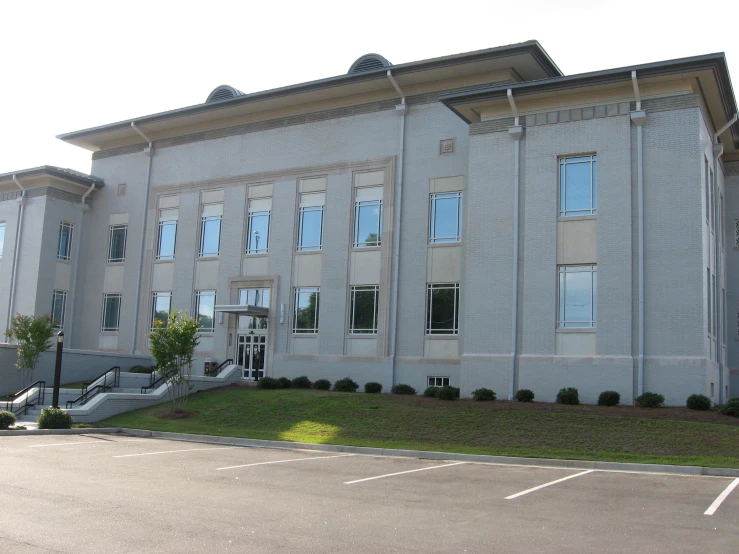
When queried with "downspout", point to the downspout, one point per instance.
{"points": [[16, 250], [638, 117], [150, 153], [401, 110], [69, 316], [718, 150], [515, 132]]}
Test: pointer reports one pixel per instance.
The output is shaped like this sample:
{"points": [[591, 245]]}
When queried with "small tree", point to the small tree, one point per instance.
{"points": [[173, 347], [33, 335]]}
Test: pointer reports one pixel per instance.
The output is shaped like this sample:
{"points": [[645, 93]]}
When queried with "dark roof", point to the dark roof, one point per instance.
{"points": [[64, 173]]}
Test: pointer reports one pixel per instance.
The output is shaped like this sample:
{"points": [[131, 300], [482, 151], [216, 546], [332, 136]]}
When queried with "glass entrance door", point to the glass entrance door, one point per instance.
{"points": [[251, 350]]}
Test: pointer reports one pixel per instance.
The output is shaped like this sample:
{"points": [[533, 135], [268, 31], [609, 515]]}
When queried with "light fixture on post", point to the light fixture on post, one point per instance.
{"points": [[256, 241]]}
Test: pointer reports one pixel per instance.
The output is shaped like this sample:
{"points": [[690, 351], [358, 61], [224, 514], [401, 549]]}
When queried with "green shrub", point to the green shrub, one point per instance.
{"points": [[698, 402], [347, 384], [650, 400], [447, 393], [568, 396], [430, 392], [6, 419], [143, 369], [269, 383], [286, 383], [525, 395], [609, 398], [403, 389], [483, 394], [301, 382], [322, 384], [730, 408], [54, 418], [456, 391], [373, 388]]}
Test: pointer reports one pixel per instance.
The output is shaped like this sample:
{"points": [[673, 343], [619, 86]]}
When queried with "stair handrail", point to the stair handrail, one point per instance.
{"points": [[217, 370], [110, 379], [158, 381], [40, 387]]}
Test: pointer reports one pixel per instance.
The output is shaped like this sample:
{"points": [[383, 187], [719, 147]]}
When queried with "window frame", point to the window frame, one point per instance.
{"points": [[204, 219], [113, 228], [250, 221], [2, 235], [199, 294], [358, 205], [434, 198], [437, 379], [162, 225], [63, 295], [563, 162], [156, 296], [352, 309], [300, 247], [297, 291], [430, 288], [563, 271], [67, 255], [110, 296]]}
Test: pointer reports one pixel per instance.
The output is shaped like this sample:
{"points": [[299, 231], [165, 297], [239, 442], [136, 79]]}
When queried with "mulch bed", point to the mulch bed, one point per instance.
{"points": [[176, 415]]}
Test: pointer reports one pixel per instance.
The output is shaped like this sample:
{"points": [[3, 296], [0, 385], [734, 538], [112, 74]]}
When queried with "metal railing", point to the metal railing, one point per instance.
{"points": [[28, 401], [107, 381], [154, 383], [216, 370]]}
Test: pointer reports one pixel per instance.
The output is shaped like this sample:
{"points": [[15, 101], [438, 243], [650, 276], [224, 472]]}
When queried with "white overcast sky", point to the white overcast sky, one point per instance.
{"points": [[69, 65]]}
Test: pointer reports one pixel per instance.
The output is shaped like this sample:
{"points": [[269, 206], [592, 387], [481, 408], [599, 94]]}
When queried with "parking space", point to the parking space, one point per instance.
{"points": [[89, 493]]}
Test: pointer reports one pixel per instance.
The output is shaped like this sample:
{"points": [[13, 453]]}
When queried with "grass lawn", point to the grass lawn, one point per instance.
{"points": [[74, 385], [389, 421]]}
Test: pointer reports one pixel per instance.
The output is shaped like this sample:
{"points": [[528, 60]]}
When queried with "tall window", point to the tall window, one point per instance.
{"points": [[58, 307], [708, 290], [708, 194], [305, 319], [257, 240], [368, 217], [577, 296], [160, 307], [111, 312], [364, 304], [310, 224], [578, 190], [442, 309], [253, 297], [117, 243], [167, 233], [2, 238], [210, 230], [64, 247], [712, 186], [205, 308], [445, 217]]}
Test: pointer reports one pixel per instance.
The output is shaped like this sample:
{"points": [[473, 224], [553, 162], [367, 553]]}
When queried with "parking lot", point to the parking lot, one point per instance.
{"points": [[113, 493]]}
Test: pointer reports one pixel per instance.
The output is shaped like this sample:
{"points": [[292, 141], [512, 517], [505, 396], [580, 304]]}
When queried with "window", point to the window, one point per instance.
{"points": [[578, 285], [438, 382], [445, 217], [111, 312], [363, 319], [306, 310], [715, 306], [578, 186], [708, 194], [736, 233], [442, 309], [58, 307], [368, 217], [117, 244], [713, 199], [160, 307], [310, 225], [210, 230], [708, 289], [2, 238], [253, 297], [167, 233], [205, 308], [64, 248], [257, 240], [721, 229]]}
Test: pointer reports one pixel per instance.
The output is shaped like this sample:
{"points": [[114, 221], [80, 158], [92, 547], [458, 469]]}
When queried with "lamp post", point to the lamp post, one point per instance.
{"points": [[256, 240], [58, 369]]}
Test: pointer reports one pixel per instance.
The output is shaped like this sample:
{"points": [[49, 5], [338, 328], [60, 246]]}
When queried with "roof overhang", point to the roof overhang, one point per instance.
{"points": [[51, 175], [528, 60], [239, 309]]}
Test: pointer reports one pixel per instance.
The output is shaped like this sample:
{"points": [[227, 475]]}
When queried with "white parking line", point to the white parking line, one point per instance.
{"points": [[721, 497], [527, 491], [284, 461], [174, 451], [402, 472], [94, 442]]}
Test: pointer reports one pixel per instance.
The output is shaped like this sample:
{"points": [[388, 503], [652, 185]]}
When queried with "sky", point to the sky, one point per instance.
{"points": [[76, 64]]}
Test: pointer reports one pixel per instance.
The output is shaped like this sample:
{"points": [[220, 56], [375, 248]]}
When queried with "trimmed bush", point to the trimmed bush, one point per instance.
{"points": [[286, 383], [609, 398], [322, 384], [403, 389], [54, 418], [301, 382], [698, 402], [373, 388], [6, 419], [730, 408], [525, 395], [456, 391], [430, 392], [143, 369], [568, 396], [650, 400], [447, 393], [269, 383], [483, 394], [347, 384]]}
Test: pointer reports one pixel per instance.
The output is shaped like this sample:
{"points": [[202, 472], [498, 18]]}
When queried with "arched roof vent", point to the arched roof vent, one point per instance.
{"points": [[369, 62], [224, 92]]}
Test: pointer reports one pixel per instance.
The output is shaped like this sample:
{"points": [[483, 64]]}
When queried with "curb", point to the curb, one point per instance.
{"points": [[82, 431], [430, 455]]}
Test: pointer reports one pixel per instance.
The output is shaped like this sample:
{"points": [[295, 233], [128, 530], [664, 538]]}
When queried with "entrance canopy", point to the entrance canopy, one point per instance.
{"points": [[238, 309]]}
